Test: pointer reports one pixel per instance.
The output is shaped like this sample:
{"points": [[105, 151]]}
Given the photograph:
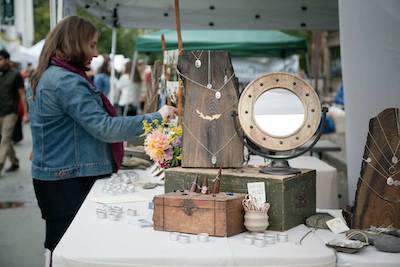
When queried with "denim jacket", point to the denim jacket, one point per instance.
{"points": [[71, 130]]}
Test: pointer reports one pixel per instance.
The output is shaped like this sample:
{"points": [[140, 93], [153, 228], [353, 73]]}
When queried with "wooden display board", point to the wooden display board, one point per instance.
{"points": [[207, 122], [151, 103], [376, 201]]}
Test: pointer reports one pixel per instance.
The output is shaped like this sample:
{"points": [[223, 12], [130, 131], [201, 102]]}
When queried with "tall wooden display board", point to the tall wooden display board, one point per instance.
{"points": [[152, 96], [377, 200], [210, 96]]}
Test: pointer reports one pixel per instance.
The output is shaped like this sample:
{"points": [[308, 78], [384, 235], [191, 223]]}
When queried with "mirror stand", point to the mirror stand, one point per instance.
{"points": [[280, 164]]}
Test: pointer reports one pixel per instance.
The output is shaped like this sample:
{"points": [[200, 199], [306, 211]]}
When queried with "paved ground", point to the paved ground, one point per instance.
{"points": [[22, 230]]}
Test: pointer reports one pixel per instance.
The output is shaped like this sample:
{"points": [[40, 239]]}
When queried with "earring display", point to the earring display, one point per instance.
{"points": [[378, 195], [210, 95]]}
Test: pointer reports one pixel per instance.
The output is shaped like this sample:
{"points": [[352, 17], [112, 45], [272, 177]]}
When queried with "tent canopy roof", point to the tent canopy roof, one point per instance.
{"points": [[217, 14], [240, 43]]}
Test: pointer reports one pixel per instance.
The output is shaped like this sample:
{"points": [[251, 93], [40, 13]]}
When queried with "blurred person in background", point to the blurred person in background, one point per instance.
{"points": [[11, 90], [102, 78], [129, 98]]}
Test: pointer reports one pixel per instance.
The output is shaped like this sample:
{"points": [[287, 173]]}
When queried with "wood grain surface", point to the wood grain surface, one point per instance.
{"points": [[369, 208], [151, 103], [217, 134]]}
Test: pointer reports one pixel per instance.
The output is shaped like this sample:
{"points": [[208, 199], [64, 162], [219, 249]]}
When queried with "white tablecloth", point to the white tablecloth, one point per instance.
{"points": [[326, 180], [369, 257], [99, 242]]}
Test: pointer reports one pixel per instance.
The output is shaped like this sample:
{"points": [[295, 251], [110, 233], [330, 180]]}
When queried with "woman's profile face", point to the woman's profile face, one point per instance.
{"points": [[93, 48]]}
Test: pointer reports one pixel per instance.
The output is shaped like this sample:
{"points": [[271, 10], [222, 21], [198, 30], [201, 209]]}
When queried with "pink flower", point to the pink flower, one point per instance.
{"points": [[155, 144]]}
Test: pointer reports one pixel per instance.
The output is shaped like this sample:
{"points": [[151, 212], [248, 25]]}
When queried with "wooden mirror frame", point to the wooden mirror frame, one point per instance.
{"points": [[279, 80]]}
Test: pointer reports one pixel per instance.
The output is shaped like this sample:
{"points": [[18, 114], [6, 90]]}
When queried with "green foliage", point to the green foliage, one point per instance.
{"points": [[126, 38]]}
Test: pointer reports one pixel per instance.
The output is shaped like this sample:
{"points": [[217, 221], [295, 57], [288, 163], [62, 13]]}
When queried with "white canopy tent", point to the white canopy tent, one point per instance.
{"points": [[369, 43]]}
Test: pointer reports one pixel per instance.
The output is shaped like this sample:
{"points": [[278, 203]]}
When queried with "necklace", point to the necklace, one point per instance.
{"points": [[217, 92], [392, 168], [214, 155], [389, 180], [197, 63], [379, 195], [394, 158], [210, 117]]}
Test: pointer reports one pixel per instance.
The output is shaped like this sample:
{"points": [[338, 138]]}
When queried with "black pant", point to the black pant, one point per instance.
{"points": [[59, 201]]}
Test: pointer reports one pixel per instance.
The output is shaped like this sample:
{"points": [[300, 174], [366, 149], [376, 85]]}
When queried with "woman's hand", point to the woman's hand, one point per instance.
{"points": [[168, 112]]}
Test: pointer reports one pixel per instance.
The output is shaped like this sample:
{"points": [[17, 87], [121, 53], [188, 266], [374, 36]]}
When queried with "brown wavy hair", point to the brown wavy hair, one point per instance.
{"points": [[70, 41]]}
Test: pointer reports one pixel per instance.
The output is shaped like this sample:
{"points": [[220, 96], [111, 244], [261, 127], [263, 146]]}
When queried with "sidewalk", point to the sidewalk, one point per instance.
{"points": [[22, 230]]}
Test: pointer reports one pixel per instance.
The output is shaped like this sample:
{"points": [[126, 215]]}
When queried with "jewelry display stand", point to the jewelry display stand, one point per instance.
{"points": [[377, 200], [210, 95], [151, 103]]}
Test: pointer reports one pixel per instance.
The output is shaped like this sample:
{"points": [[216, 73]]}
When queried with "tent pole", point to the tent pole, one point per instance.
{"points": [[180, 47], [60, 6], [52, 7], [166, 74], [113, 48]]}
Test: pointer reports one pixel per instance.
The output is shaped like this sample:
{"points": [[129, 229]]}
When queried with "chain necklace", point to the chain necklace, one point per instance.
{"points": [[212, 117], [214, 155], [392, 168], [379, 195], [389, 180], [217, 92], [197, 63], [394, 158]]}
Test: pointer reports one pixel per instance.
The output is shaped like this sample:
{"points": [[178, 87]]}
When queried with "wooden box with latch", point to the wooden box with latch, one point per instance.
{"points": [[194, 213], [292, 197]]}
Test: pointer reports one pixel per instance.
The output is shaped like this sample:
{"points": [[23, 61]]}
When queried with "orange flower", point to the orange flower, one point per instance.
{"points": [[155, 144]]}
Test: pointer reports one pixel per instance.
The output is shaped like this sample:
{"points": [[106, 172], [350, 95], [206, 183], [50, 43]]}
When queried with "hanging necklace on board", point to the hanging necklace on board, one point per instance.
{"points": [[209, 117], [395, 160], [213, 155], [197, 63]]}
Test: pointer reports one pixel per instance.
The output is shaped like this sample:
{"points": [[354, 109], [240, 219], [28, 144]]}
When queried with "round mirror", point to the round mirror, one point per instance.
{"points": [[279, 112]]}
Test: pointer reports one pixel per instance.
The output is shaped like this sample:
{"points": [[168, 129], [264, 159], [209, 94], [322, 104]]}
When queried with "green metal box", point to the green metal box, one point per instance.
{"points": [[292, 197]]}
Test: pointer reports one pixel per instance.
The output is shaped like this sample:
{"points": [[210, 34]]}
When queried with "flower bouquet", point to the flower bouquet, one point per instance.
{"points": [[163, 142]]}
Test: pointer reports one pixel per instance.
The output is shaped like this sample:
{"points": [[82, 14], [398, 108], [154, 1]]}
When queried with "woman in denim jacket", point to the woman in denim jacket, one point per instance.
{"points": [[76, 132]]}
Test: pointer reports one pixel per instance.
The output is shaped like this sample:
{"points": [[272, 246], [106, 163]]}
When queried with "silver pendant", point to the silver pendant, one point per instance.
{"points": [[392, 170], [394, 159], [217, 95], [396, 183], [197, 63], [209, 85], [213, 159], [390, 181], [168, 70]]}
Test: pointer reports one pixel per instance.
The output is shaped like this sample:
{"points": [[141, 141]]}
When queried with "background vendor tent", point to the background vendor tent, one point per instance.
{"points": [[239, 43]]}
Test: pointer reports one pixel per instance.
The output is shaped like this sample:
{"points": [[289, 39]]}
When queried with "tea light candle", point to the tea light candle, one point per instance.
{"points": [[259, 242], [260, 235], [270, 239], [113, 217], [174, 236], [282, 237], [101, 214], [184, 238], [202, 237], [132, 212], [248, 240]]}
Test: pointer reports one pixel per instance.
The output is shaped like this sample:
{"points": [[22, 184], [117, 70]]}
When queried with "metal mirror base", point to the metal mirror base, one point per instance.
{"points": [[280, 167]]}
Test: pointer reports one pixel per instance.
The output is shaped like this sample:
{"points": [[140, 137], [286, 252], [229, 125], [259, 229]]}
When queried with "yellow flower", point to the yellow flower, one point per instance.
{"points": [[179, 157]]}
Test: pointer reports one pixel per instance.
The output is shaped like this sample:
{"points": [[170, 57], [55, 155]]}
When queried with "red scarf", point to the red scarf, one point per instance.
{"points": [[117, 149]]}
